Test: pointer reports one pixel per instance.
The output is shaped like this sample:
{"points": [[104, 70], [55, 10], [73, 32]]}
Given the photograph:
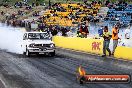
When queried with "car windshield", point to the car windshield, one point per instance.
{"points": [[38, 36]]}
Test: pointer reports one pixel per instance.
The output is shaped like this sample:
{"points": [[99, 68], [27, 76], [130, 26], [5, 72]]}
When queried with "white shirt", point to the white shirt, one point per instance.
{"points": [[59, 34], [69, 34], [127, 33]]}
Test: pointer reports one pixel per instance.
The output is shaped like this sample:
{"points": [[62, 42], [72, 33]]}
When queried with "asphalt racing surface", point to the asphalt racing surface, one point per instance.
{"points": [[19, 71]]}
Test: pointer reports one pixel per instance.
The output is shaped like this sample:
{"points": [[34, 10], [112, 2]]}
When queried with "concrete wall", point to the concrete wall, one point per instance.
{"points": [[90, 45]]}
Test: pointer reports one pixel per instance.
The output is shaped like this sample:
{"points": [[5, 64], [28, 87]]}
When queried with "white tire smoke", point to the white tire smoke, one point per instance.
{"points": [[11, 39]]}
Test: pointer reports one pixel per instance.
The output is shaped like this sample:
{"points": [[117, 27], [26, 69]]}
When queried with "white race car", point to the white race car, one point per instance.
{"points": [[38, 43]]}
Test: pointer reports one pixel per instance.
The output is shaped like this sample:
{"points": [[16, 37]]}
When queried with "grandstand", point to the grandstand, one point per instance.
{"points": [[121, 14], [71, 13]]}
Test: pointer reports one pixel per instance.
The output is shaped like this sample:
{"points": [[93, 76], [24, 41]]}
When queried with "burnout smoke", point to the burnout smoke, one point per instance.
{"points": [[11, 39]]}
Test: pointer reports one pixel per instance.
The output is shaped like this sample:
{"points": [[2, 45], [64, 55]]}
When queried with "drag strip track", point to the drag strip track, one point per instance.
{"points": [[18, 71]]}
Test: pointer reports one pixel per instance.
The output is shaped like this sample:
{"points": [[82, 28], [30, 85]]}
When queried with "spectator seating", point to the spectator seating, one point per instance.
{"points": [[122, 16], [71, 15]]}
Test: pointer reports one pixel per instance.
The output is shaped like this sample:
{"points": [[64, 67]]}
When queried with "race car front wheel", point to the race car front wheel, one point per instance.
{"points": [[52, 54]]}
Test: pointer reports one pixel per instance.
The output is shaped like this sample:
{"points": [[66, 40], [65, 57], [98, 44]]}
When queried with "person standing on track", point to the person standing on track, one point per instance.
{"points": [[115, 38], [107, 36]]}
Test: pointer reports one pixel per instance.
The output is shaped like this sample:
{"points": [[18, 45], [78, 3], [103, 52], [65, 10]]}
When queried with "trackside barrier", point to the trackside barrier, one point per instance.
{"points": [[123, 52], [80, 44], [90, 45]]}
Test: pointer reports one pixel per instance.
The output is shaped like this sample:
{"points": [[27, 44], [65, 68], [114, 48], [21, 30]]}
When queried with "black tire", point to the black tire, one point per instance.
{"points": [[37, 54], [24, 53], [52, 54]]}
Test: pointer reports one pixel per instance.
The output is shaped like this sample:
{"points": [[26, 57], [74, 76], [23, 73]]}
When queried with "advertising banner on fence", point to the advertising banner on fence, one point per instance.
{"points": [[81, 44]]}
